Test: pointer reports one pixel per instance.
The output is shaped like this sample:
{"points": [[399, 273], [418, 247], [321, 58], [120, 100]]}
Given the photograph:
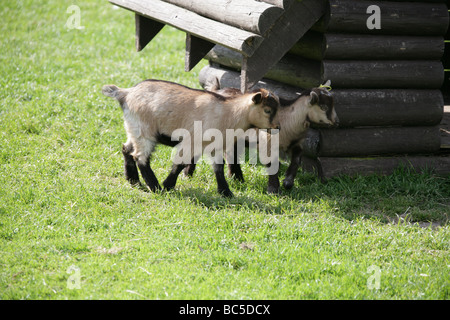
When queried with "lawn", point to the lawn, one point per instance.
{"points": [[71, 227]]}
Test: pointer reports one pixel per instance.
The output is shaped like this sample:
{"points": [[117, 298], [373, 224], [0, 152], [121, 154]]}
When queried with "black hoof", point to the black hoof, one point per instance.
{"points": [[226, 193]]}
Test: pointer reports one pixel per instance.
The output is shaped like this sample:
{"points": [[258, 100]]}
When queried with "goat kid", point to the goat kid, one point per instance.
{"points": [[154, 109], [312, 106]]}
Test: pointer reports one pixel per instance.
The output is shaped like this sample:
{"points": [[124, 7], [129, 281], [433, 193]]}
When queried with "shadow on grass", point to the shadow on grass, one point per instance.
{"points": [[404, 196]]}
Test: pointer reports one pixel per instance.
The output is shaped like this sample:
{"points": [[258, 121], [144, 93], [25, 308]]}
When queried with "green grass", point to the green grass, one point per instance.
{"points": [[64, 201]]}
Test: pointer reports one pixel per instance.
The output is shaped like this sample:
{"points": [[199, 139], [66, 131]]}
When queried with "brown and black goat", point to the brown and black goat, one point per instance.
{"points": [[154, 110], [312, 106]]}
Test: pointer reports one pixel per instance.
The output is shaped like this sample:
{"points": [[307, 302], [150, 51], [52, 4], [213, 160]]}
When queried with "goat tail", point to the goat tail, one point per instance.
{"points": [[111, 90], [115, 92]]}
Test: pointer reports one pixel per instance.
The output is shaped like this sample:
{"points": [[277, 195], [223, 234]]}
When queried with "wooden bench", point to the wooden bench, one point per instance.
{"points": [[260, 32]]}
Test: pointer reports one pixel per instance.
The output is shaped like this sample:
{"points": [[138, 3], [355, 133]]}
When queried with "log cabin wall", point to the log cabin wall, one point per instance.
{"points": [[388, 83]]}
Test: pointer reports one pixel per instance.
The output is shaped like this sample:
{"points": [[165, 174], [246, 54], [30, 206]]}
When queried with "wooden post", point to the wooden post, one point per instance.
{"points": [[196, 49], [146, 30], [295, 22]]}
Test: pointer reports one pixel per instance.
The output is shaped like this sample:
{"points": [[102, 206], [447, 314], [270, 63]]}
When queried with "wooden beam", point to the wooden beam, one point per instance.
{"points": [[418, 74], [347, 46], [379, 141], [240, 40], [388, 107], [307, 73], [146, 30], [350, 16], [333, 167], [196, 49], [250, 15]]}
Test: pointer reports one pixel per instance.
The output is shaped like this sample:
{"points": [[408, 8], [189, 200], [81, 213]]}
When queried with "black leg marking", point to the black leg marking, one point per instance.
{"points": [[171, 179], [273, 185], [296, 157], [234, 169], [190, 168], [149, 176], [319, 170], [131, 171], [222, 185]]}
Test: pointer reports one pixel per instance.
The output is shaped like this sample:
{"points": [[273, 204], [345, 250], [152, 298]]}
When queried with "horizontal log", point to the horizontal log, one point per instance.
{"points": [[387, 107], [253, 16], [306, 73], [331, 46], [401, 18], [242, 41], [334, 167], [379, 141], [384, 74], [354, 107]]}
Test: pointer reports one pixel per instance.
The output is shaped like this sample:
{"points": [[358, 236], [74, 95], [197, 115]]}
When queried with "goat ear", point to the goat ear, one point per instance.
{"points": [[257, 98], [314, 98]]}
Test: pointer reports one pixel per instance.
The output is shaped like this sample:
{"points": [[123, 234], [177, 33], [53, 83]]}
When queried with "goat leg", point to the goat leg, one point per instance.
{"points": [[319, 169], [148, 175], [131, 171], [234, 168], [291, 172], [235, 171], [189, 169], [171, 179], [273, 185], [222, 185]]}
